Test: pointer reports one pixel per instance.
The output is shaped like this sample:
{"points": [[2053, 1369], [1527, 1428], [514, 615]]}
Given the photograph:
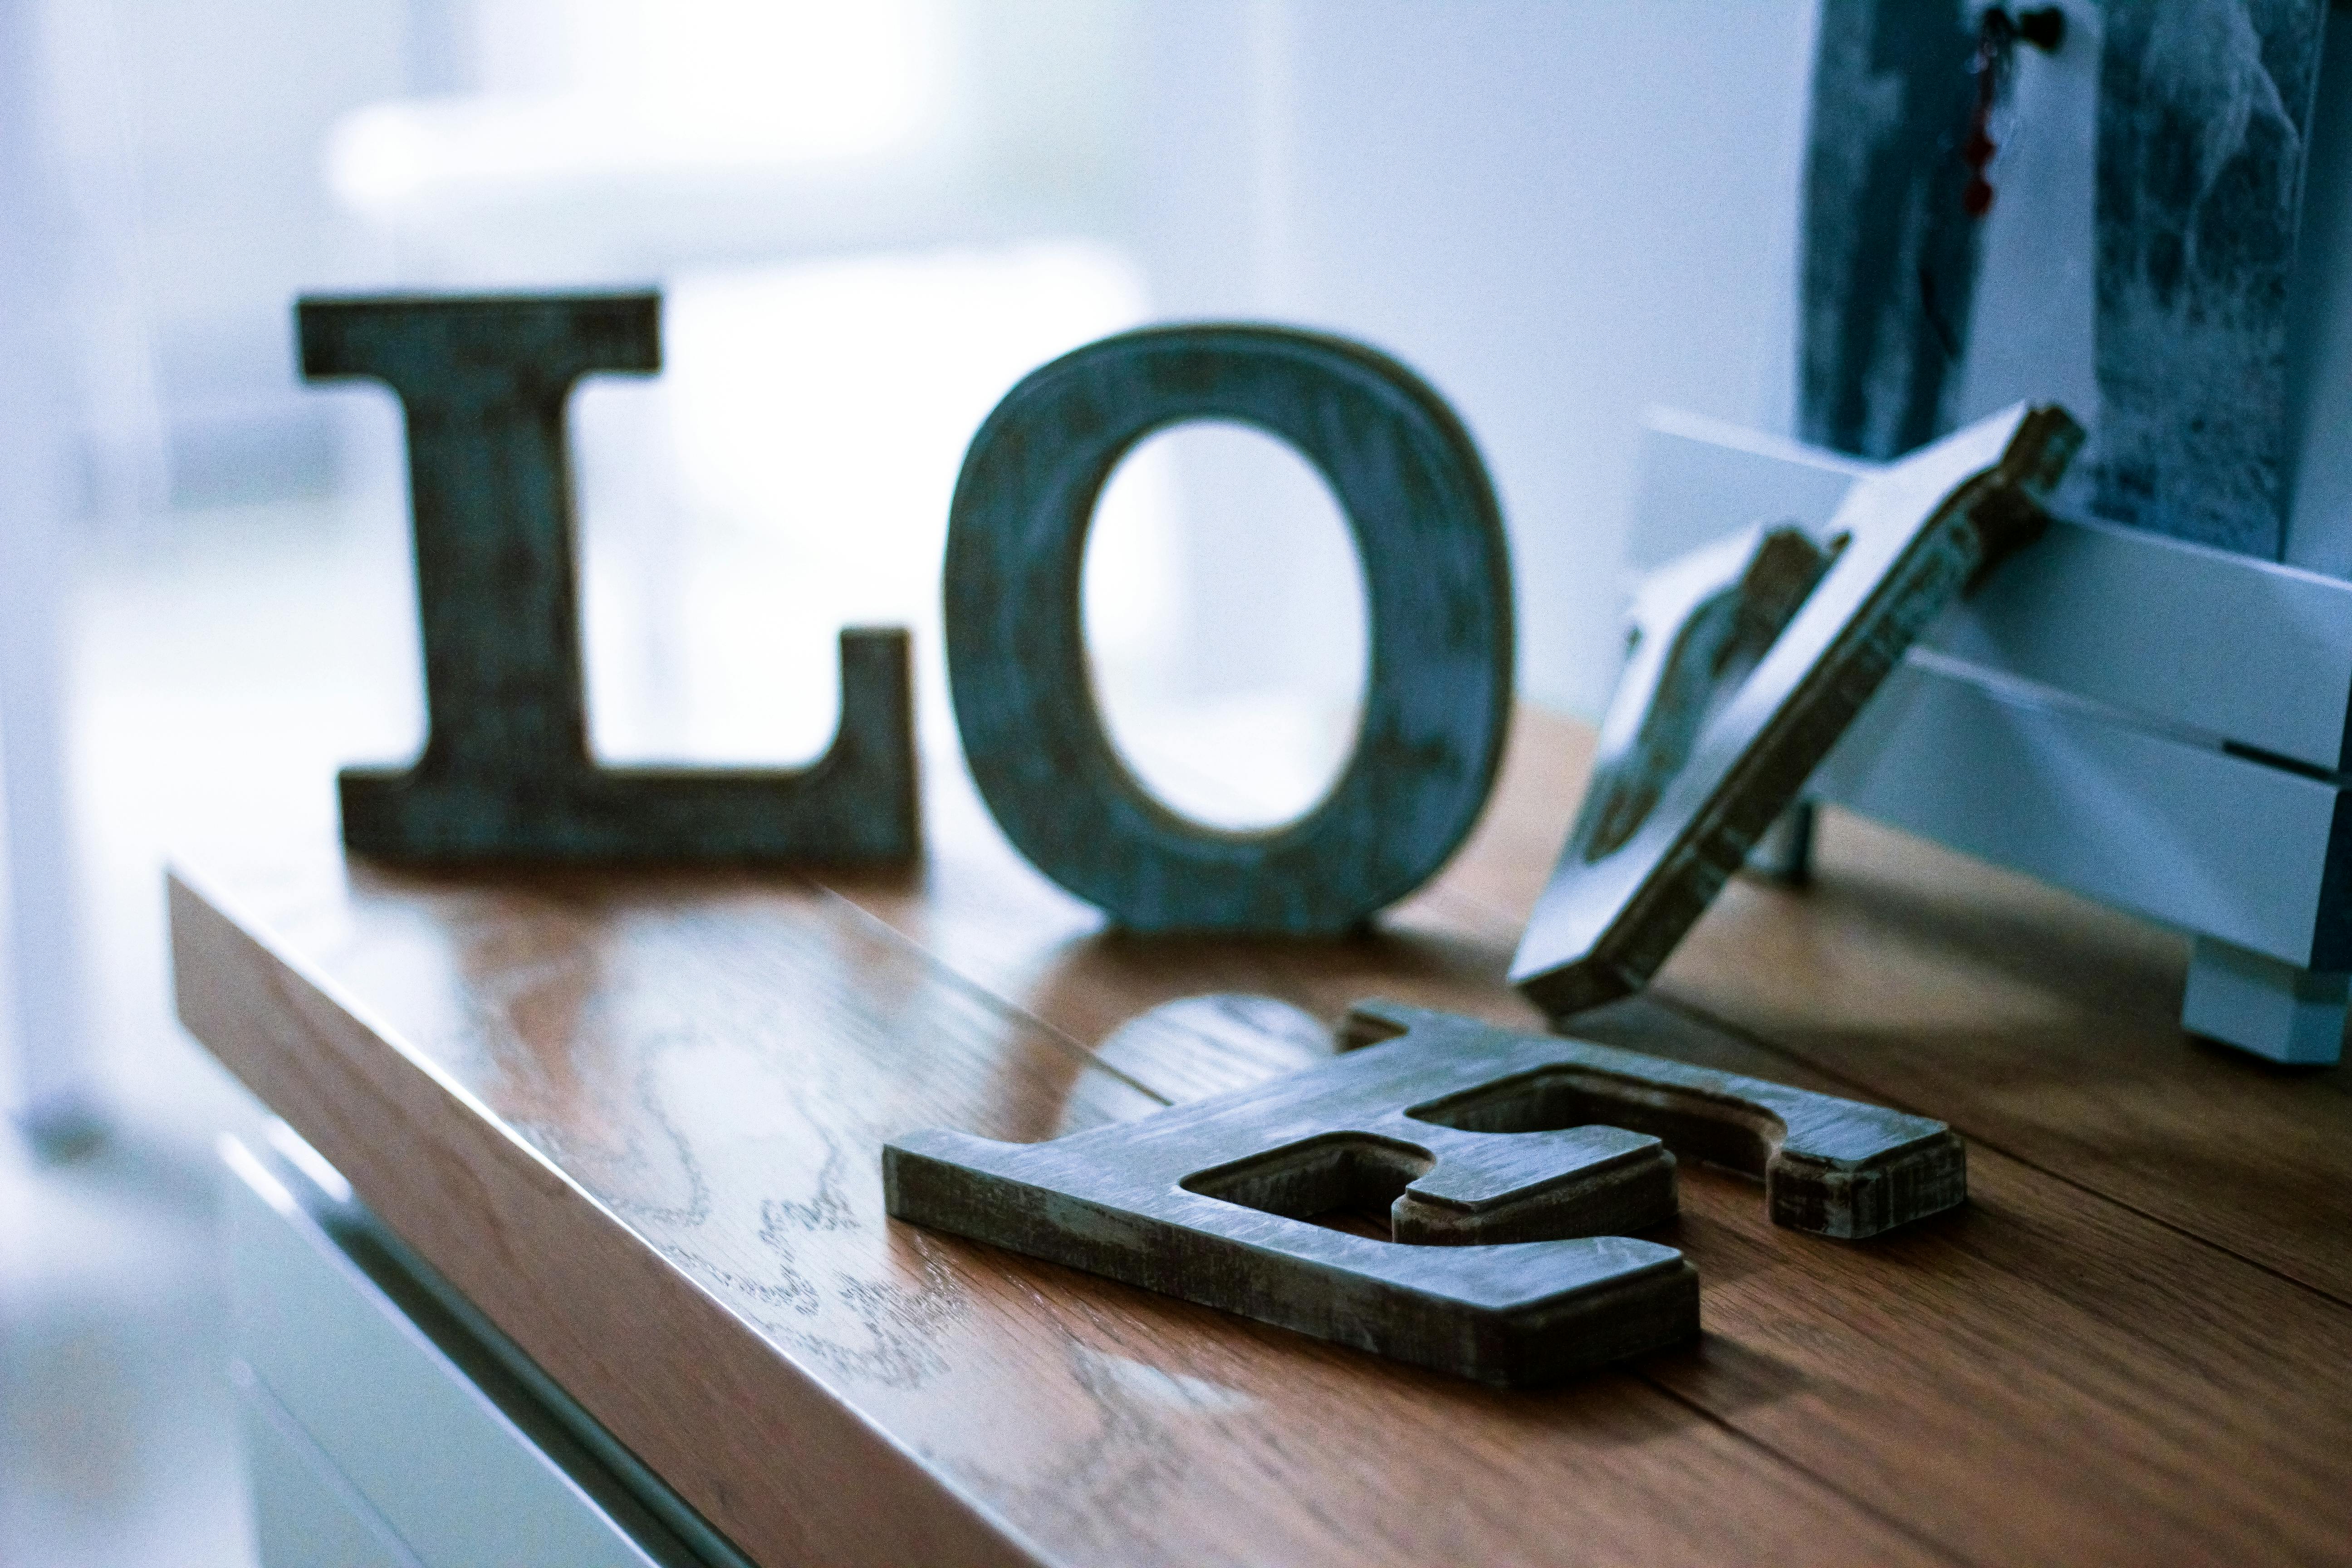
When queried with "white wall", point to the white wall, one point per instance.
{"points": [[1559, 212], [189, 138]]}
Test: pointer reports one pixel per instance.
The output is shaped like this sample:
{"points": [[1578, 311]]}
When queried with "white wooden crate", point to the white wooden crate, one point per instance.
{"points": [[2154, 725]]}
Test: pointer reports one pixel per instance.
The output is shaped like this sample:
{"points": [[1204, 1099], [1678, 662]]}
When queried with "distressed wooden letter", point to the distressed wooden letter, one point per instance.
{"points": [[1758, 656], [506, 772], [1482, 1176], [1437, 571]]}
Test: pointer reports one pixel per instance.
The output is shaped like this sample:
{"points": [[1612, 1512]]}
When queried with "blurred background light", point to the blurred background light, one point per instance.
{"points": [[654, 92], [789, 472]]}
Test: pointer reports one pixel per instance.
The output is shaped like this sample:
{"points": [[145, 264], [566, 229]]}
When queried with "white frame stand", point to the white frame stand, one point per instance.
{"points": [[2153, 724]]}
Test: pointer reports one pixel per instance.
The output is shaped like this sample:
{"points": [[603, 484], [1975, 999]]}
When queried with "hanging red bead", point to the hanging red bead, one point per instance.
{"points": [[1997, 36]]}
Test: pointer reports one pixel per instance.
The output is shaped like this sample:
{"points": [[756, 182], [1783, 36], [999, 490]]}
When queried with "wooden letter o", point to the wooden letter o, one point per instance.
{"points": [[1437, 697]]}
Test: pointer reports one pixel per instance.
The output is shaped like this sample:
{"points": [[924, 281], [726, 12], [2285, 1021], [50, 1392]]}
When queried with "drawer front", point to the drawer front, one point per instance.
{"points": [[452, 1477], [305, 1513]]}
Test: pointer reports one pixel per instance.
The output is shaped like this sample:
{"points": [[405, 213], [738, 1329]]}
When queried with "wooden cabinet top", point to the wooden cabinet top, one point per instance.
{"points": [[637, 1117]]}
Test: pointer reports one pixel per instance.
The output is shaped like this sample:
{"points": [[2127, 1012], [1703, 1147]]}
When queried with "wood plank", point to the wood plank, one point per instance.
{"points": [[1949, 1375], [1962, 1360], [394, 1090], [647, 1107], [2038, 1023], [636, 1119], [2033, 1021], [2044, 1376]]}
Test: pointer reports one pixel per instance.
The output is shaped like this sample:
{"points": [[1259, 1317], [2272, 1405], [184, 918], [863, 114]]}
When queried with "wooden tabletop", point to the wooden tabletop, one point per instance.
{"points": [[637, 1117]]}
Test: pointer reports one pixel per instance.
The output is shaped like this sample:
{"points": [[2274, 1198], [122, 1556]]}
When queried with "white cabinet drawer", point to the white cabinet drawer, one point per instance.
{"points": [[436, 1441], [306, 1510]]}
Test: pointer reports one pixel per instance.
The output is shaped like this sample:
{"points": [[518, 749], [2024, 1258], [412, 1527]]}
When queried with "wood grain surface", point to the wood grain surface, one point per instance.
{"points": [[637, 1117]]}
